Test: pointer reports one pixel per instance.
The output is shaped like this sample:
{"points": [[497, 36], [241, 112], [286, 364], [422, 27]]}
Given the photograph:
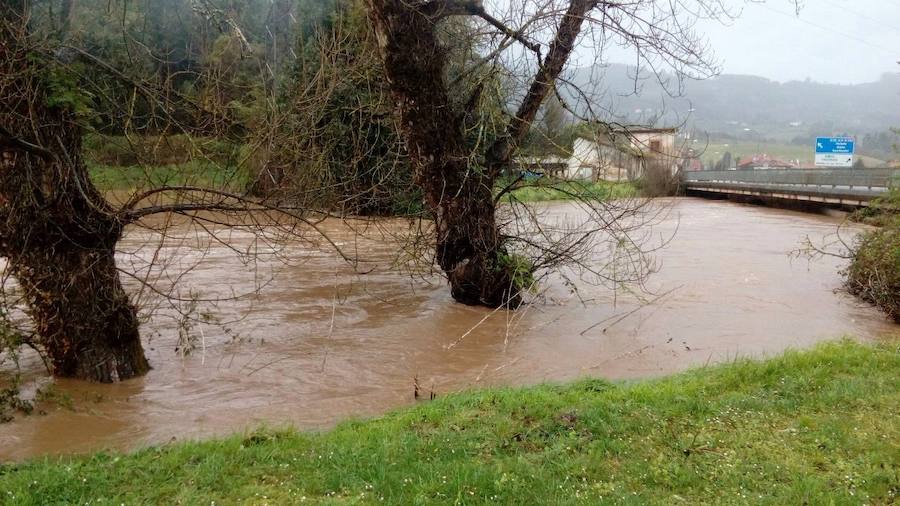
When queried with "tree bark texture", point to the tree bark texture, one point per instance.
{"points": [[459, 184], [57, 232], [458, 193]]}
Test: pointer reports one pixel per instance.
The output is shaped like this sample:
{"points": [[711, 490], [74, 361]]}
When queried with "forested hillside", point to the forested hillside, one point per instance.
{"points": [[730, 104]]}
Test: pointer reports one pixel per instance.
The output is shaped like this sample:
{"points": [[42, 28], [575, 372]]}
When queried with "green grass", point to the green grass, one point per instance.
{"points": [[542, 191], [195, 173], [812, 427]]}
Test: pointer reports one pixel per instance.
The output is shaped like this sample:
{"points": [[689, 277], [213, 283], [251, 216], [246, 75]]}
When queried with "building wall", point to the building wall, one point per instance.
{"points": [[645, 140], [584, 158], [660, 149], [591, 161], [595, 161]]}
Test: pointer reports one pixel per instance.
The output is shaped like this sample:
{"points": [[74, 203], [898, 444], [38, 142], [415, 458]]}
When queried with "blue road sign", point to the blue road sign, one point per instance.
{"points": [[835, 145]]}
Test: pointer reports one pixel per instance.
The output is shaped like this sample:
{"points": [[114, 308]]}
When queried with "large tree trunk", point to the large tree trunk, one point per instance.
{"points": [[57, 233], [459, 196], [470, 248], [80, 311]]}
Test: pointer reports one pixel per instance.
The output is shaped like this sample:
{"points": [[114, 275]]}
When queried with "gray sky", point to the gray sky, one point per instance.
{"points": [[831, 41], [834, 41]]}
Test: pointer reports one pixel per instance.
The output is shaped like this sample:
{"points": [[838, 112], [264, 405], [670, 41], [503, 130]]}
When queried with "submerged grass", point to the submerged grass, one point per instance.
{"points": [[812, 427]]}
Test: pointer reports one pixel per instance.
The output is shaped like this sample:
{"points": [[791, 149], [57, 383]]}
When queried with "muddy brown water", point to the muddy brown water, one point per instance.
{"points": [[323, 344]]}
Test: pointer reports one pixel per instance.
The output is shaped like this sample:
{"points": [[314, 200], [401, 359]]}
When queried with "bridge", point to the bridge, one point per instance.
{"points": [[845, 187]]}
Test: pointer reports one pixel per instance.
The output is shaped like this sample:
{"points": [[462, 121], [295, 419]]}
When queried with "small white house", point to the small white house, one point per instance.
{"points": [[619, 156]]}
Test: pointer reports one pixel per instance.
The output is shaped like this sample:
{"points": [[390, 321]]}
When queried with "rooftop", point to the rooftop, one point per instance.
{"points": [[665, 130], [763, 160]]}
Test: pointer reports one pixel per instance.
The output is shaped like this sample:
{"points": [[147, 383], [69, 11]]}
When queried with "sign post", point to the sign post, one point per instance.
{"points": [[834, 151]]}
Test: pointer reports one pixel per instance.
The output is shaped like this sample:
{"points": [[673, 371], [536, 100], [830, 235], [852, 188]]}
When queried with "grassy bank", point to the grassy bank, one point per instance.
{"points": [[814, 427], [553, 189]]}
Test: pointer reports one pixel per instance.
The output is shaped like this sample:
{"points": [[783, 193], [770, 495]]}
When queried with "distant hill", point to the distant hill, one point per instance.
{"points": [[747, 107]]}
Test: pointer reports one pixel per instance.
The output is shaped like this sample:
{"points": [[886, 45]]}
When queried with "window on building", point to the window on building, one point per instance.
{"points": [[655, 146]]}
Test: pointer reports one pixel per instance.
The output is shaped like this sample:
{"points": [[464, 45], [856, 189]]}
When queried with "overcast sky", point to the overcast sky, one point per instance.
{"points": [[831, 41], [834, 41]]}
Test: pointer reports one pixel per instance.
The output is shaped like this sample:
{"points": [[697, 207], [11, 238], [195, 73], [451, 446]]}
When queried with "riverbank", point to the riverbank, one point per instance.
{"points": [[816, 426], [206, 174]]}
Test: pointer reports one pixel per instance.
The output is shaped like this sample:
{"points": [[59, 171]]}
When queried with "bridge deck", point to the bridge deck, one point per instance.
{"points": [[838, 186]]}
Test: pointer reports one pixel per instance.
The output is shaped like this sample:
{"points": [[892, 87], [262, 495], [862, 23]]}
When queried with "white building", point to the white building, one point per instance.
{"points": [[620, 156]]}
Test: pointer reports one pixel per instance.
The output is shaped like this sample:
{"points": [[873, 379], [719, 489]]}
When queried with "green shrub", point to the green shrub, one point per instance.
{"points": [[521, 269], [658, 180], [880, 211], [12, 340], [874, 273]]}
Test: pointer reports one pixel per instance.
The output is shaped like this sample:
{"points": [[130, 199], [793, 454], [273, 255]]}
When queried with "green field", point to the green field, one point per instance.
{"points": [[740, 149], [812, 427]]}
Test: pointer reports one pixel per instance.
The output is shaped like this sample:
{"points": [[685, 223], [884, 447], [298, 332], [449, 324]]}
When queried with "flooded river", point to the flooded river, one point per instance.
{"points": [[323, 344]]}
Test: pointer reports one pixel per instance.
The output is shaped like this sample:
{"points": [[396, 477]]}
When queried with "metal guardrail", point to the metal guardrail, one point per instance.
{"points": [[869, 179]]}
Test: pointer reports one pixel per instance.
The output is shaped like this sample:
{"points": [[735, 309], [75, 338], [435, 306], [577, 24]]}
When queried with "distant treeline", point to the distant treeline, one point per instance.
{"points": [[747, 107]]}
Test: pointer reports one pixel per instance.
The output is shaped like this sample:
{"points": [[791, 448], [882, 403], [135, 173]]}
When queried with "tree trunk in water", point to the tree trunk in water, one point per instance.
{"points": [[57, 232], [84, 319], [460, 196]]}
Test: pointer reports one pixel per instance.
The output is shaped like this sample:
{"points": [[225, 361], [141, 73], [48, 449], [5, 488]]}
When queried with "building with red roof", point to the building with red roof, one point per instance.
{"points": [[763, 162]]}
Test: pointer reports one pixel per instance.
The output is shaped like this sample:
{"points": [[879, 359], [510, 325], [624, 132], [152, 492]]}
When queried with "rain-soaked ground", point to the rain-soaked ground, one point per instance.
{"points": [[322, 344]]}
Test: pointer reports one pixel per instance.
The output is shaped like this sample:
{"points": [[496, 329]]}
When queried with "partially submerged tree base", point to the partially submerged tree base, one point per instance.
{"points": [[459, 196], [457, 165], [59, 239], [482, 283], [57, 232], [88, 327], [457, 178]]}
